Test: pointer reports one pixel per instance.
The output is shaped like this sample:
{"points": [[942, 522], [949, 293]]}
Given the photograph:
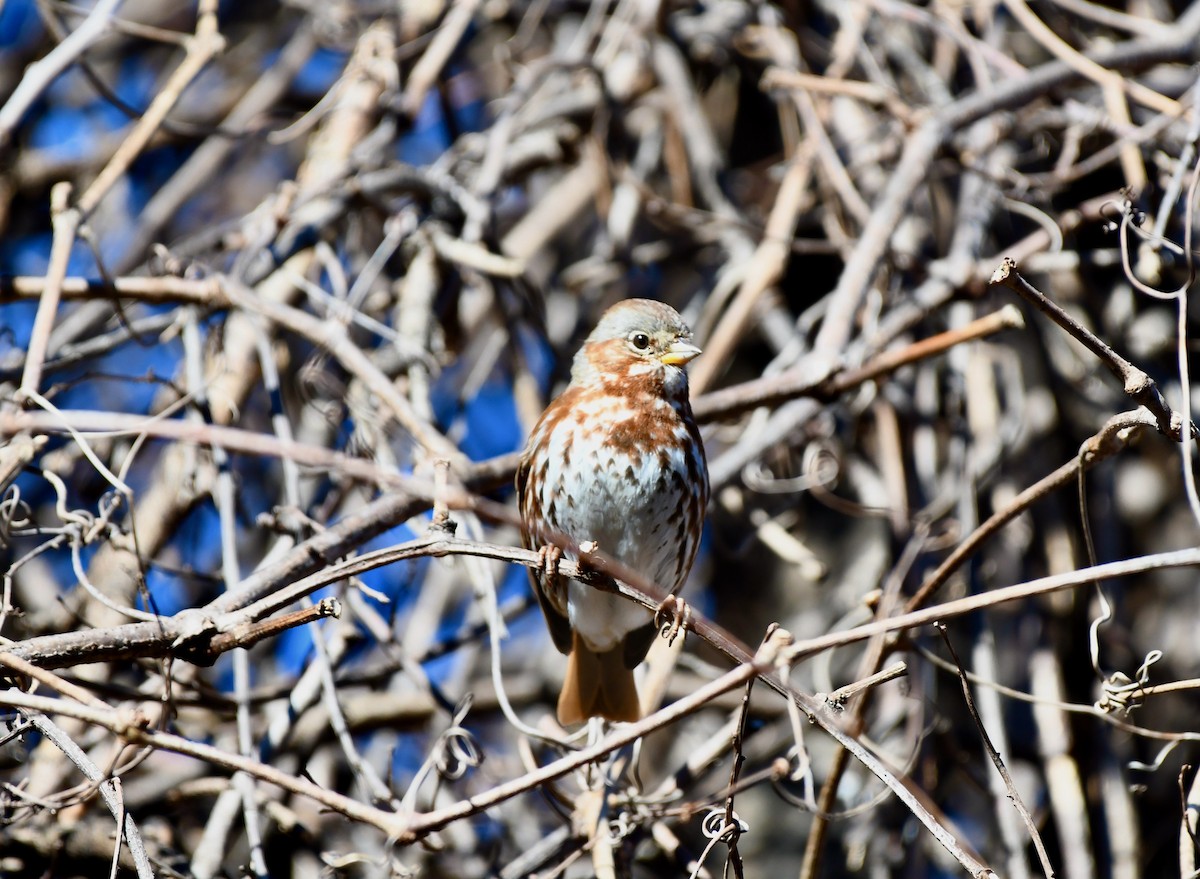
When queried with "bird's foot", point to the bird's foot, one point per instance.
{"points": [[672, 617], [548, 558]]}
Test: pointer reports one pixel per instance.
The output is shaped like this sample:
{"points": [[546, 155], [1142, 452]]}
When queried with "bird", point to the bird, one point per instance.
{"points": [[615, 462]]}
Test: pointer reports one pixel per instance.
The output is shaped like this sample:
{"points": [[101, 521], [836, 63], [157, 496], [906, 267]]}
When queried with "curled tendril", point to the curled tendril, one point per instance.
{"points": [[1156, 764], [1121, 694], [715, 828], [458, 752], [1113, 212], [622, 826], [714, 825], [110, 502], [456, 749], [820, 467], [14, 513], [454, 752]]}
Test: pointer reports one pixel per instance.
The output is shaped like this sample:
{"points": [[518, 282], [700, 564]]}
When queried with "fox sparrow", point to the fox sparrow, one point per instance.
{"points": [[616, 460]]}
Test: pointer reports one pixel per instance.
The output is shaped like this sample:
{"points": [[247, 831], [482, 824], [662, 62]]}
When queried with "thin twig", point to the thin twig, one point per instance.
{"points": [[997, 760], [1134, 381]]}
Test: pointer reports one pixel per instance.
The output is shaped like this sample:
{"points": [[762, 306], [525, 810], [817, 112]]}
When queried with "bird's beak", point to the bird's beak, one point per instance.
{"points": [[679, 353]]}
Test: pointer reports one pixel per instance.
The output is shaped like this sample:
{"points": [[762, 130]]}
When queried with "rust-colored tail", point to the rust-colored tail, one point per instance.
{"points": [[597, 685]]}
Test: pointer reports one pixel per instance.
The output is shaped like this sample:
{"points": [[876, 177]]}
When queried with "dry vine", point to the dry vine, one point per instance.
{"points": [[271, 340]]}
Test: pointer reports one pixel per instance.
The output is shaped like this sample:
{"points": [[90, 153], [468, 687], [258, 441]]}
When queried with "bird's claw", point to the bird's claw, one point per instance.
{"points": [[548, 558], [672, 617], [547, 566]]}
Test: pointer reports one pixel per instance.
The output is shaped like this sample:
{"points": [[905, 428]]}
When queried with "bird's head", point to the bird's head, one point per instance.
{"points": [[636, 339]]}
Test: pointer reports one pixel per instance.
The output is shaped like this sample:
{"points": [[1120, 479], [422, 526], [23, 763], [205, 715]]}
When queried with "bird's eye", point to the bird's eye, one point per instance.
{"points": [[640, 341]]}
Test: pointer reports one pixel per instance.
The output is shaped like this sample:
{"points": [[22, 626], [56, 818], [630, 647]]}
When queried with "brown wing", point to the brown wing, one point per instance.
{"points": [[637, 644], [557, 623]]}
